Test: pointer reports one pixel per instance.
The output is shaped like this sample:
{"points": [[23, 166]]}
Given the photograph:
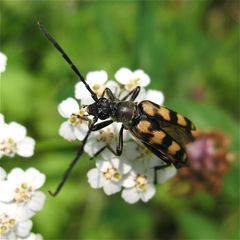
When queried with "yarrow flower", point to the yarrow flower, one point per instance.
{"points": [[109, 174], [22, 188], [13, 140], [19, 201], [13, 223], [76, 125], [133, 171], [20, 197]]}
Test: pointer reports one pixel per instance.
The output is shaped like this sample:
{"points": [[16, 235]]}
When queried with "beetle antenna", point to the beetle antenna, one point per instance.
{"points": [[65, 56]]}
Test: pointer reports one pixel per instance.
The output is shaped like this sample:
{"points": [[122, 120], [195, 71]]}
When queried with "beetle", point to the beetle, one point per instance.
{"points": [[164, 132]]}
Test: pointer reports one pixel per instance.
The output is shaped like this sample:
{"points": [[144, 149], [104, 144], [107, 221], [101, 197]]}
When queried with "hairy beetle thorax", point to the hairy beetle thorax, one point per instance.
{"points": [[124, 112]]}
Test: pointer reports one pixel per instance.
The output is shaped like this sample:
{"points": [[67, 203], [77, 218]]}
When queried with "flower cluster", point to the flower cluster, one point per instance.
{"points": [[133, 171], [19, 202], [20, 199], [19, 195]]}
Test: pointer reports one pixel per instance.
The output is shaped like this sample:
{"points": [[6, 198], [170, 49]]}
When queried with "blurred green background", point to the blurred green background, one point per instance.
{"points": [[189, 49]]}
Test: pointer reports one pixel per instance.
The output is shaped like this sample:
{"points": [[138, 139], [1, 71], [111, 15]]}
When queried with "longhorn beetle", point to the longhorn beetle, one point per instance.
{"points": [[164, 132]]}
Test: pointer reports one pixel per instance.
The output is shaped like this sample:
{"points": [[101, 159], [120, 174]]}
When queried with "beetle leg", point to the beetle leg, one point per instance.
{"points": [[109, 94], [134, 93], [162, 157], [101, 125], [119, 147]]}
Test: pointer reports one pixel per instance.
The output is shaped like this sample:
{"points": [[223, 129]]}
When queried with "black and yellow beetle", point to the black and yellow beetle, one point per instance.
{"points": [[164, 132]]}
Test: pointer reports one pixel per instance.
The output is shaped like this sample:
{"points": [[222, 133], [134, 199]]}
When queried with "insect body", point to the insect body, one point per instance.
{"points": [[163, 131]]}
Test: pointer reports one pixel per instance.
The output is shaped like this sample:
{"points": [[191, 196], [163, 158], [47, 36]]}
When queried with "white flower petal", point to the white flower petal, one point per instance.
{"points": [[95, 178], [6, 191], [166, 173], [110, 187], [37, 201], [25, 148], [66, 131], [96, 77], [80, 130], [123, 75], [141, 96], [155, 96], [148, 194], [93, 145], [122, 166], [144, 79], [67, 107], [35, 178], [17, 131], [113, 86], [1, 117], [130, 151], [34, 236], [3, 174], [129, 182], [16, 175], [103, 165], [83, 94], [130, 195], [24, 228], [3, 62]]}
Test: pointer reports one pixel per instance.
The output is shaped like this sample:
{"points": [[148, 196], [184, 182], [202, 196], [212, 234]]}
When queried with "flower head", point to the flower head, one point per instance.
{"points": [[130, 79], [108, 174], [21, 187], [138, 185], [13, 140], [98, 81], [13, 223], [76, 125]]}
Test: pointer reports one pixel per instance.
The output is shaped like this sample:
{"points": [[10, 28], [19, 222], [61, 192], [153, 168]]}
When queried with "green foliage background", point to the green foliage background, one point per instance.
{"points": [[190, 50]]}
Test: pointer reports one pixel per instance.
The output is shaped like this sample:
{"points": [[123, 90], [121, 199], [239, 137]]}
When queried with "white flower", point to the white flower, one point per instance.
{"points": [[130, 79], [12, 222], [13, 140], [155, 96], [101, 138], [138, 185], [3, 62], [98, 81], [32, 236], [21, 187], [108, 175], [3, 174], [76, 125]]}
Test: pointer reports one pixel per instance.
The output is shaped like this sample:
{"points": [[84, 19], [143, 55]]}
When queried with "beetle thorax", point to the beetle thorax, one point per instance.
{"points": [[124, 112]]}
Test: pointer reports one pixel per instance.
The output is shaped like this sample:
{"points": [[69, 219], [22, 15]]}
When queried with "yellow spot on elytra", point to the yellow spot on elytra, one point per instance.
{"points": [[157, 137], [143, 126], [165, 113], [181, 120], [149, 108], [173, 148]]}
